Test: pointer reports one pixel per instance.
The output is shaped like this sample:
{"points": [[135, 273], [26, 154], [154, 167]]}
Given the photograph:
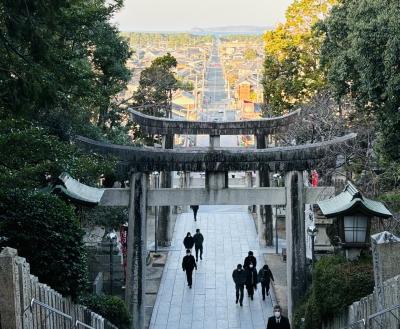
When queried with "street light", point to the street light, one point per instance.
{"points": [[112, 238], [312, 231], [277, 179], [157, 185]]}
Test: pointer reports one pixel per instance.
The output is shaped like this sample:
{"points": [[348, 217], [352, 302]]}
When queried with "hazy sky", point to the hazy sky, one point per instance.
{"points": [[172, 15]]}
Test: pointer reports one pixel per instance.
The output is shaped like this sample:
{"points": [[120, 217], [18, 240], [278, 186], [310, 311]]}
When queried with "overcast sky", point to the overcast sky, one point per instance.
{"points": [[182, 15]]}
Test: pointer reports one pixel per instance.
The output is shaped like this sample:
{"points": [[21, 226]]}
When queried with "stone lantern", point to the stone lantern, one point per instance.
{"points": [[353, 213]]}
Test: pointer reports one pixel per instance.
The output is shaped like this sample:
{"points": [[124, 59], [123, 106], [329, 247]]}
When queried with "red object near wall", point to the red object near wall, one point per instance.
{"points": [[314, 178]]}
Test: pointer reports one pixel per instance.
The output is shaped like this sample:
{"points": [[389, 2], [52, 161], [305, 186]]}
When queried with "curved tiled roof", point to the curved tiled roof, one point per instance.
{"points": [[351, 200]]}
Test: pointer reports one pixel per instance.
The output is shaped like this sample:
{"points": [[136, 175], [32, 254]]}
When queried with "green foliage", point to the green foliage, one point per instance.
{"points": [[35, 153], [112, 308], [292, 72], [156, 85], [185, 85], [109, 217], [360, 53], [337, 283], [250, 54], [46, 232], [60, 62]]}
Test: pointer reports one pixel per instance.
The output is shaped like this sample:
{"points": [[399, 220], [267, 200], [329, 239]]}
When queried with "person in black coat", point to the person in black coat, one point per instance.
{"points": [[278, 321], [195, 209], [188, 265], [188, 241], [250, 259], [239, 277], [251, 280], [198, 244], [264, 277]]}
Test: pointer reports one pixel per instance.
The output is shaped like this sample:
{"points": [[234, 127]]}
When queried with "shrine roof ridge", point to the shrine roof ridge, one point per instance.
{"points": [[165, 126]]}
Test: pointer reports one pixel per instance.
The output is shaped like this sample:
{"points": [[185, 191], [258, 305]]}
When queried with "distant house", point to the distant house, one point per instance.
{"points": [[184, 104], [249, 110], [244, 90]]}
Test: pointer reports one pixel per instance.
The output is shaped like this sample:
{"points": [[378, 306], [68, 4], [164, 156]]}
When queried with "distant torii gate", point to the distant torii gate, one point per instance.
{"points": [[138, 162]]}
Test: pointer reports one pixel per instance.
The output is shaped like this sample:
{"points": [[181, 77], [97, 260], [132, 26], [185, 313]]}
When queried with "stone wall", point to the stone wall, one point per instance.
{"points": [[99, 259], [25, 303], [367, 307]]}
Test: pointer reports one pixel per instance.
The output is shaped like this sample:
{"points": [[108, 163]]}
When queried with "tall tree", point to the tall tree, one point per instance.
{"points": [[292, 72], [361, 53], [156, 84], [60, 61]]}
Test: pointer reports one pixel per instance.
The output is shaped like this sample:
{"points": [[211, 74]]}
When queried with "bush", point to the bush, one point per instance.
{"points": [[46, 232], [337, 283], [111, 308]]}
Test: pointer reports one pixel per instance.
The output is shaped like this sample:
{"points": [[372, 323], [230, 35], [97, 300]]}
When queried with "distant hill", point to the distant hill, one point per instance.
{"points": [[224, 30]]}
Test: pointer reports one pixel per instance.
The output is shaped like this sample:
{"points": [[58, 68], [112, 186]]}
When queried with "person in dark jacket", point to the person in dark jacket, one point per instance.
{"points": [[188, 241], [250, 259], [239, 277], [264, 277], [188, 265], [278, 321], [198, 244], [195, 209], [251, 280]]}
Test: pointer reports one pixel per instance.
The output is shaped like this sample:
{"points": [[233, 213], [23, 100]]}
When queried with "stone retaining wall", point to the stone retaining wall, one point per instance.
{"points": [[25, 302]]}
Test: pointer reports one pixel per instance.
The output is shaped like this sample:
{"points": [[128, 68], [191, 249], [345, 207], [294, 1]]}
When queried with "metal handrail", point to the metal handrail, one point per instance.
{"points": [[54, 310], [387, 310], [79, 323], [354, 323], [51, 309]]}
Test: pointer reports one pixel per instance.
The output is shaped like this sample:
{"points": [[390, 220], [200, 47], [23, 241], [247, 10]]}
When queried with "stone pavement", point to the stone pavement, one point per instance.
{"points": [[229, 233]]}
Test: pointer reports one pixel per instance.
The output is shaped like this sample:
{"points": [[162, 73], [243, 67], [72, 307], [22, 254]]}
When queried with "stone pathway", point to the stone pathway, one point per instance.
{"points": [[229, 233]]}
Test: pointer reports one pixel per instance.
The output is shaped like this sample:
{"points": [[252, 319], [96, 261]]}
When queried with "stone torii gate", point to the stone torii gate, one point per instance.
{"points": [[261, 129], [138, 162]]}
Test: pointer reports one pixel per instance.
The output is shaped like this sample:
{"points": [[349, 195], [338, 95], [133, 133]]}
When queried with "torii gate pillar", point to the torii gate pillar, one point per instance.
{"points": [[137, 245], [164, 234], [295, 239]]}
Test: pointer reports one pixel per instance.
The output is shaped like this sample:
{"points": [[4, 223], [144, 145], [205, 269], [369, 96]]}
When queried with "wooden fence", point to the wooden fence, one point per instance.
{"points": [[25, 303]]}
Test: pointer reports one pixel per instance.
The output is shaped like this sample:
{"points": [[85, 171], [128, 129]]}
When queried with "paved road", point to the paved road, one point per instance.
{"points": [[211, 302], [216, 100]]}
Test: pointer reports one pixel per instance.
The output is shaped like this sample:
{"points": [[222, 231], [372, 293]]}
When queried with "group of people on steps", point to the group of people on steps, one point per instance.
{"points": [[245, 275]]}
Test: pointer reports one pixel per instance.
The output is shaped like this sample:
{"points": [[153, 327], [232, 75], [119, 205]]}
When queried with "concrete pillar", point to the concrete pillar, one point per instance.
{"points": [[164, 234], [249, 184], [216, 180], [295, 239], [264, 212], [215, 141], [137, 242], [186, 184], [10, 303]]}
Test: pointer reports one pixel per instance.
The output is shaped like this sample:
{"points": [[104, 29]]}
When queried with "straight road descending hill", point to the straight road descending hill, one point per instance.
{"points": [[229, 233]]}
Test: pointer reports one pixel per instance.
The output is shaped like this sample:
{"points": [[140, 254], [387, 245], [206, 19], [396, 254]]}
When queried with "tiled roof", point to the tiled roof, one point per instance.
{"points": [[351, 200]]}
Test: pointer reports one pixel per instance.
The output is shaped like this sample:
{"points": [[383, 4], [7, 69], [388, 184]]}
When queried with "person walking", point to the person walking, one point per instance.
{"points": [[198, 244], [264, 277], [278, 321], [239, 277], [251, 280], [195, 209], [188, 241], [250, 259], [188, 265]]}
